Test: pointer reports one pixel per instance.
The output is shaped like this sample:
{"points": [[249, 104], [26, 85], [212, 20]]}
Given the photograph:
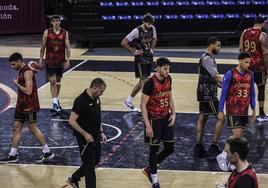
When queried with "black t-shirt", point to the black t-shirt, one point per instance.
{"points": [[148, 87], [89, 114]]}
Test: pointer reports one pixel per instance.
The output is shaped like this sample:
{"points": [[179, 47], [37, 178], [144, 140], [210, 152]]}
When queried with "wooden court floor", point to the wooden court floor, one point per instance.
{"points": [[32, 176], [119, 85]]}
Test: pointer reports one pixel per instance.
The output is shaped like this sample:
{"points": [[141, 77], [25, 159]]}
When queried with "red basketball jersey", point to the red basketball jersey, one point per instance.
{"points": [[27, 103], [251, 44], [55, 48], [158, 104], [238, 100]]}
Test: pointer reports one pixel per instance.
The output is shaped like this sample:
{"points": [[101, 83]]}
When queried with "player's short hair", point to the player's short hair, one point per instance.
{"points": [[243, 55], [239, 146], [265, 26], [162, 61], [15, 57], [148, 18], [258, 20], [97, 82], [212, 40], [55, 17]]}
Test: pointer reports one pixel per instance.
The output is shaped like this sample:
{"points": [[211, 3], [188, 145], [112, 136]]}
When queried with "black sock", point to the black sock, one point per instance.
{"points": [[261, 110]]}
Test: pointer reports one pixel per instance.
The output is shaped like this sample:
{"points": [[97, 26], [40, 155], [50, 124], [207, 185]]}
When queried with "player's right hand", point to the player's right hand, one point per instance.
{"points": [[40, 64], [88, 137], [138, 52], [149, 131], [220, 116]]}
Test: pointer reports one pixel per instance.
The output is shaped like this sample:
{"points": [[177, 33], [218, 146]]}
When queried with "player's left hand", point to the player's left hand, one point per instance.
{"points": [[66, 64], [253, 116], [16, 81], [172, 119], [104, 138]]}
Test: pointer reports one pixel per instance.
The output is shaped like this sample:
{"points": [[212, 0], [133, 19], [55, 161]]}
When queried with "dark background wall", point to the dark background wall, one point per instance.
{"points": [[106, 22]]}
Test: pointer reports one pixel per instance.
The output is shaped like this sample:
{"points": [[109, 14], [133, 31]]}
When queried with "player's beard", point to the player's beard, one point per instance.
{"points": [[215, 52]]}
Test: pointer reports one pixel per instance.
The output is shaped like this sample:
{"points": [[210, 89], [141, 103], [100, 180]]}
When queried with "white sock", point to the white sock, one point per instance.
{"points": [[45, 149], [129, 98], [55, 100], [154, 178], [13, 151]]}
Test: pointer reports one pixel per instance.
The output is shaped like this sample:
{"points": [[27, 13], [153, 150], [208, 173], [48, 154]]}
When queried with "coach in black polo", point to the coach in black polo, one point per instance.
{"points": [[85, 119]]}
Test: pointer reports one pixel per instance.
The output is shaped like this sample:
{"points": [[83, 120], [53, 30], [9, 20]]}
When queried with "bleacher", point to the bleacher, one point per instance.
{"points": [[106, 22]]}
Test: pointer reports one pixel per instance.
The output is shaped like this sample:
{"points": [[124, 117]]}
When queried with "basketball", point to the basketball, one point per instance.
{"points": [[34, 66]]}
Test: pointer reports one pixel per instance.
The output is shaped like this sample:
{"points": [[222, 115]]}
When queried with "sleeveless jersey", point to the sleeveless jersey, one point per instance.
{"points": [[207, 85], [144, 42], [238, 100], [234, 177], [158, 104], [55, 48], [27, 103], [252, 45]]}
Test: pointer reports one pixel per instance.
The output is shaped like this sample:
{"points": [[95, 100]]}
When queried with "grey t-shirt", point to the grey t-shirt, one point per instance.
{"points": [[210, 66], [134, 34]]}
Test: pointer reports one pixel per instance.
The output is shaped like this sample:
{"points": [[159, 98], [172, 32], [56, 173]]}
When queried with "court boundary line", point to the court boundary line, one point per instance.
{"points": [[119, 133], [131, 169], [7, 104]]}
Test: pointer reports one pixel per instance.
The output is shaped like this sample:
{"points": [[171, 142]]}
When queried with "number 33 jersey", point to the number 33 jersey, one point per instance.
{"points": [[238, 100]]}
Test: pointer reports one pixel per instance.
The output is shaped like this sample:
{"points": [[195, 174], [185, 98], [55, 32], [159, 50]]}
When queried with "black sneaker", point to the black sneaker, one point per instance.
{"points": [[72, 183], [10, 159], [55, 108], [45, 157], [213, 151], [199, 151], [146, 172]]}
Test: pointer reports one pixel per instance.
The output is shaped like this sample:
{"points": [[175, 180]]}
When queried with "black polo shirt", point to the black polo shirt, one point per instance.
{"points": [[89, 115]]}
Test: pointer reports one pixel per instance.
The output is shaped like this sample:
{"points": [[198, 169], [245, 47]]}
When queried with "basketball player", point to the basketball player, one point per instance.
{"points": [[144, 40], [159, 115], [57, 45], [26, 109], [244, 175], [252, 41], [209, 81], [238, 93]]}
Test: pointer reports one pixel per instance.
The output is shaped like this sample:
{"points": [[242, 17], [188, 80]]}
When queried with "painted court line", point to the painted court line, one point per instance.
{"points": [[119, 132]]}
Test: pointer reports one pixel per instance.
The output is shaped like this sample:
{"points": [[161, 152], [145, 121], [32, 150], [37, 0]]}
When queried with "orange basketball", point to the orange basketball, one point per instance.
{"points": [[34, 66]]}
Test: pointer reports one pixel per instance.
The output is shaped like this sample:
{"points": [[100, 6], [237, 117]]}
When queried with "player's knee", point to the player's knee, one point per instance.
{"points": [[169, 148], [261, 93], [154, 149], [17, 129], [53, 82]]}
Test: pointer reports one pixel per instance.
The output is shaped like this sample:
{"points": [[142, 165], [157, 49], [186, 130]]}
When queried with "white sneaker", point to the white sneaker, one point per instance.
{"points": [[262, 118], [130, 106]]}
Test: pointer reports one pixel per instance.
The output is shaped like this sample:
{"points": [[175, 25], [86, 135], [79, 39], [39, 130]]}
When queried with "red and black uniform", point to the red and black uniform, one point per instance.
{"points": [[27, 105], [238, 100], [252, 45], [245, 179], [55, 52], [158, 109], [55, 48]]}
